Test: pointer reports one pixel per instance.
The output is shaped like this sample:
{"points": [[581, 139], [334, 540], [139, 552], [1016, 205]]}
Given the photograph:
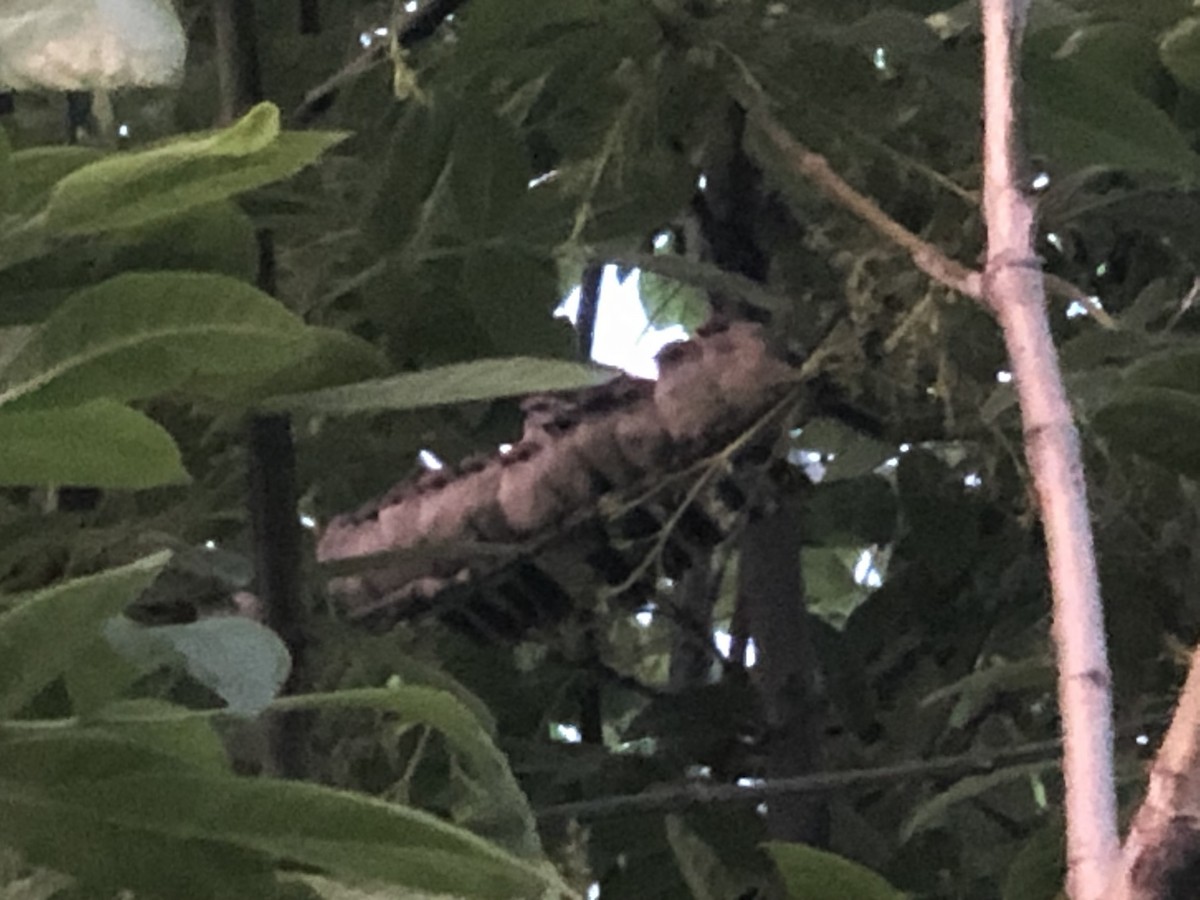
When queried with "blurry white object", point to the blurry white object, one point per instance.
{"points": [[77, 45]]}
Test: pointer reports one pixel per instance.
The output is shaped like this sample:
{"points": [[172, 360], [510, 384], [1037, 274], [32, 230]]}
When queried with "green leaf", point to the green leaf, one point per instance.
{"points": [[1179, 50], [40, 636], [669, 302], [933, 811], [1040, 866], [703, 872], [130, 189], [417, 168], [149, 723], [37, 170], [241, 661], [217, 237], [98, 677], [1177, 369], [334, 358], [101, 443], [976, 690], [1080, 120], [466, 734], [851, 512], [810, 874], [332, 831], [1120, 52], [1160, 424], [57, 756], [144, 334], [511, 296], [111, 852], [485, 379], [491, 172]]}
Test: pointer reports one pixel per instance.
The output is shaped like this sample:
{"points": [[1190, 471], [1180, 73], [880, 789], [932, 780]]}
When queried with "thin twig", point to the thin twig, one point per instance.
{"points": [[673, 799], [816, 169]]}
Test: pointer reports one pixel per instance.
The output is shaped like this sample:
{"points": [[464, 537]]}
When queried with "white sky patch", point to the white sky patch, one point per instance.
{"points": [[1004, 376], [724, 643], [123, 130], [410, 6], [1055, 241], [565, 733], [644, 617], [624, 337], [1040, 181], [210, 545], [593, 891], [972, 480], [879, 58], [430, 460], [866, 573], [308, 522], [1078, 308]]}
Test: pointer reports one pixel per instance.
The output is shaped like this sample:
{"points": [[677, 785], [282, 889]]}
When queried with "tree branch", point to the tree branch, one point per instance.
{"points": [[414, 28], [675, 799], [1015, 290], [1162, 849], [816, 169]]}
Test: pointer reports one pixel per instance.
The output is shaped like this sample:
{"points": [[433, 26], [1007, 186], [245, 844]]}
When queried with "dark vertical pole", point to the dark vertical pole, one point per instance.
{"points": [[771, 607], [771, 589], [591, 709], [79, 115], [589, 307], [271, 454]]}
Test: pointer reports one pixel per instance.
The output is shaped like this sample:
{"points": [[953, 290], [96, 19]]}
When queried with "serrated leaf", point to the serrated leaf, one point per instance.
{"points": [[241, 661], [101, 443], [1079, 119], [1160, 424], [130, 189], [811, 874], [485, 379], [146, 334], [41, 634]]}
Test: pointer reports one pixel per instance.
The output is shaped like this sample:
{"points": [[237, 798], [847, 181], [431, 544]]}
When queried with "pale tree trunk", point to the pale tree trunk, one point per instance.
{"points": [[1014, 287]]}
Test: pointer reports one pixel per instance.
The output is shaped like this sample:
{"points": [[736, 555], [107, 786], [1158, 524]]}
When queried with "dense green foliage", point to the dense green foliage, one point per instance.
{"points": [[412, 230]]}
